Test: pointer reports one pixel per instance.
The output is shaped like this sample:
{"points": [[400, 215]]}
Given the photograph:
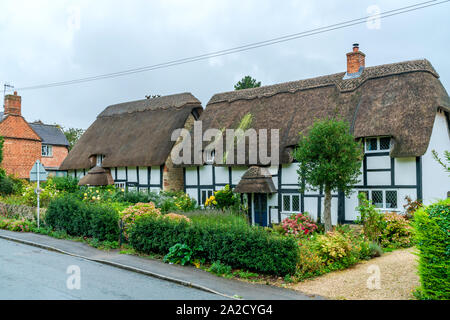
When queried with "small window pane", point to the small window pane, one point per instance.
{"points": [[286, 203], [371, 144], [296, 203], [391, 199], [385, 143], [377, 199]]}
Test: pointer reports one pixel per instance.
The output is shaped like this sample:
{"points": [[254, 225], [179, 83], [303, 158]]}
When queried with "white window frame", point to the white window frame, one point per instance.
{"points": [[384, 208], [120, 185], [291, 195], [100, 160], [209, 193], [48, 150], [378, 149]]}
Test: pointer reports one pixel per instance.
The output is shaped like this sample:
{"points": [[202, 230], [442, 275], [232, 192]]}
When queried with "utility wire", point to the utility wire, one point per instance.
{"points": [[251, 46]]}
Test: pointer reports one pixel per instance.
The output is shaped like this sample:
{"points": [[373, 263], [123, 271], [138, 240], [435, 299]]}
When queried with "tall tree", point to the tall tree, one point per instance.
{"points": [[72, 135], [247, 82], [329, 158]]}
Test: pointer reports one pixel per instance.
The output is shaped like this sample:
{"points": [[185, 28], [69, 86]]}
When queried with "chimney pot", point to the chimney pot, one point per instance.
{"points": [[355, 60], [13, 104]]}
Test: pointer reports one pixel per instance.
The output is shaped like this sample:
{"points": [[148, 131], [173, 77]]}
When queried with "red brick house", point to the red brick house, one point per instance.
{"points": [[26, 142]]}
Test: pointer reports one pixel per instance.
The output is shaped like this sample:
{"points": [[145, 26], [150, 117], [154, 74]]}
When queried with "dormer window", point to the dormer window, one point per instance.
{"points": [[47, 150], [100, 160], [378, 144], [210, 155]]}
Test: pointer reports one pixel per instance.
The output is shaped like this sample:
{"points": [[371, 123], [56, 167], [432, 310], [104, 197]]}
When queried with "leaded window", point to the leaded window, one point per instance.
{"points": [[382, 199], [391, 199], [291, 203], [378, 144], [385, 143]]}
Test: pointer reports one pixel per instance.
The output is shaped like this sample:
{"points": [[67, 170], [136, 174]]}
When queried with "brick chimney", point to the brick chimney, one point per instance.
{"points": [[13, 104], [355, 60]]}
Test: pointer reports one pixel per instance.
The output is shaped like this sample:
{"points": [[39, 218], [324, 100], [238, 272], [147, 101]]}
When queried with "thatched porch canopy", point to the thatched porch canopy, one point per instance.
{"points": [[97, 177], [256, 180]]}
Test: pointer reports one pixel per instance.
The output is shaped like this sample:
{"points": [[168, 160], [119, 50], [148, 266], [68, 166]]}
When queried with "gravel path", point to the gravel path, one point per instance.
{"points": [[398, 279]]}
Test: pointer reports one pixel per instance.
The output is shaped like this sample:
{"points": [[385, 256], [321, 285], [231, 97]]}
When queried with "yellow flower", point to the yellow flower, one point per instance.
{"points": [[85, 194], [97, 191], [93, 198], [123, 190]]}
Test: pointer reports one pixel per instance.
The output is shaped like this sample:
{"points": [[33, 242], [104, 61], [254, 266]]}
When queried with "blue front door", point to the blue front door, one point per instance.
{"points": [[260, 209]]}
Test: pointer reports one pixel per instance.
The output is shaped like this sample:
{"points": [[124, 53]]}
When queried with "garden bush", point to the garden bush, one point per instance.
{"points": [[67, 184], [223, 199], [235, 244], [397, 231], [130, 214], [432, 237], [299, 225], [77, 218]]}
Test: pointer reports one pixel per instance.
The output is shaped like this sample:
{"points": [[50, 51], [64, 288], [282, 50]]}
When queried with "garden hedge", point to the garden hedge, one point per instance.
{"points": [[432, 225], [239, 246], [77, 218]]}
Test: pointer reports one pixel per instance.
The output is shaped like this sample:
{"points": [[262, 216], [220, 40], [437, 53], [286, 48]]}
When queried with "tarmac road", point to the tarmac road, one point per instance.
{"points": [[28, 272]]}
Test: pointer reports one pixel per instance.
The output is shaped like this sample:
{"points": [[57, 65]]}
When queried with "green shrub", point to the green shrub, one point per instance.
{"points": [[219, 268], [235, 244], [6, 186], [179, 254], [370, 218], [432, 236], [130, 214], [397, 231], [48, 193], [70, 214], [67, 184], [223, 199], [103, 223]]}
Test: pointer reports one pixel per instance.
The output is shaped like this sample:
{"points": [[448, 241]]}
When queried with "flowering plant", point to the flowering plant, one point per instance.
{"points": [[299, 225], [211, 202], [132, 213], [177, 217]]}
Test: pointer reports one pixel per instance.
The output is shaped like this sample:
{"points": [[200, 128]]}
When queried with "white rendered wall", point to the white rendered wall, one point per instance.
{"points": [[155, 177], [132, 174], [405, 171], [191, 176], [435, 181], [222, 175]]}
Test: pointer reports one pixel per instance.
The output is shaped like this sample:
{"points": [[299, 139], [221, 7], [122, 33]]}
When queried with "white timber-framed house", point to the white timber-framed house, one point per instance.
{"points": [[129, 144], [399, 111]]}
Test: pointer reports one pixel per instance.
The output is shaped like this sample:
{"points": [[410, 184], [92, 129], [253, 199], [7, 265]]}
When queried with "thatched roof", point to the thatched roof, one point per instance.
{"points": [[97, 177], [256, 180], [398, 100], [136, 133]]}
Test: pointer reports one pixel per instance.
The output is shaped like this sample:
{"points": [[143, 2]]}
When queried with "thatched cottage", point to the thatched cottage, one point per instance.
{"points": [[400, 111], [129, 144]]}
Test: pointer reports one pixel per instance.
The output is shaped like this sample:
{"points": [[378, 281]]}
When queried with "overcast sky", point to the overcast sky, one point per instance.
{"points": [[50, 41]]}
